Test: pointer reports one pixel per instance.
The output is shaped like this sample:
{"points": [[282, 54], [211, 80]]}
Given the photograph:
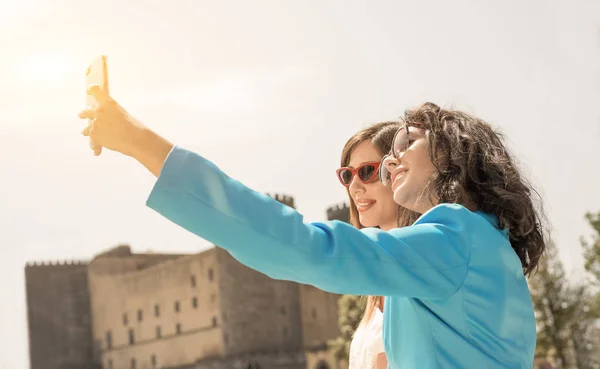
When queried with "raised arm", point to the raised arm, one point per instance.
{"points": [[427, 260]]}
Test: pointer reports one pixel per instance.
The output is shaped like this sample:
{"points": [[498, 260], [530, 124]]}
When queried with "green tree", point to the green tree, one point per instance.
{"points": [[351, 310], [549, 291], [580, 328], [591, 248], [587, 341], [564, 314]]}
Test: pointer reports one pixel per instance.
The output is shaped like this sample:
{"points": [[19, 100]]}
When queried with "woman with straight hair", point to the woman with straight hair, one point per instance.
{"points": [[371, 205]]}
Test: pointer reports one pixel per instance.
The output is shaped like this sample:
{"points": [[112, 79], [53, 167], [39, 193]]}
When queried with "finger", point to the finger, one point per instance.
{"points": [[88, 114], [99, 94], [86, 130], [97, 149]]}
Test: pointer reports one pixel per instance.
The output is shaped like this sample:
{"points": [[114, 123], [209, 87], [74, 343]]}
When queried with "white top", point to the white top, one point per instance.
{"points": [[367, 343]]}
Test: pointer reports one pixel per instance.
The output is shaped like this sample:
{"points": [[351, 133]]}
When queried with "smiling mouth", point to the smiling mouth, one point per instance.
{"points": [[363, 206]]}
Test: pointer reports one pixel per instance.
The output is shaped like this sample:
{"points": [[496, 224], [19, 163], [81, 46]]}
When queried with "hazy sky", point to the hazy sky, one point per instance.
{"points": [[270, 91]]}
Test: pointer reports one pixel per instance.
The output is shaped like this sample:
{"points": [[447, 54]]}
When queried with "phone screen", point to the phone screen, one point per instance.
{"points": [[96, 74]]}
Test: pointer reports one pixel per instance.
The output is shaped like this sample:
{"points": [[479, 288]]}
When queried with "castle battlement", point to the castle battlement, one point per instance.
{"points": [[55, 263], [339, 211], [284, 199]]}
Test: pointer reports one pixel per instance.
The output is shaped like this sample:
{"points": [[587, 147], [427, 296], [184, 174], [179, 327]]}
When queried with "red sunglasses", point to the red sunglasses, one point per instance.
{"points": [[366, 172]]}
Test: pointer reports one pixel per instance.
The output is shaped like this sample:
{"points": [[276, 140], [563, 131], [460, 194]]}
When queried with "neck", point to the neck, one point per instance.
{"points": [[388, 227]]}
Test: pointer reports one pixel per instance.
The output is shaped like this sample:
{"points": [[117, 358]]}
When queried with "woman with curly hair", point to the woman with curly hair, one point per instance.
{"points": [[454, 282], [371, 205]]}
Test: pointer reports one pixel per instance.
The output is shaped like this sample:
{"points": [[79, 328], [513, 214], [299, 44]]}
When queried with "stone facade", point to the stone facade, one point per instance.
{"points": [[200, 311], [259, 314]]}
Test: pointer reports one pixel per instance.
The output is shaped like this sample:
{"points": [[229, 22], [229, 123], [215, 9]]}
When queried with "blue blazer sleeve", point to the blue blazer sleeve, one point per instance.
{"points": [[426, 260]]}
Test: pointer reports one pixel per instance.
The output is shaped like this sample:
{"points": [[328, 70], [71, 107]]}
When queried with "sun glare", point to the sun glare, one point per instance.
{"points": [[47, 68]]}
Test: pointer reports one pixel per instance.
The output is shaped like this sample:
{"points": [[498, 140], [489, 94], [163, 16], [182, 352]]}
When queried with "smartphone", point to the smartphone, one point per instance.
{"points": [[96, 74]]}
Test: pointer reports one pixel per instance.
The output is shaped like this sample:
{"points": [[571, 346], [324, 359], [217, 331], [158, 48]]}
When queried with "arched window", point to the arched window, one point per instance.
{"points": [[322, 364]]}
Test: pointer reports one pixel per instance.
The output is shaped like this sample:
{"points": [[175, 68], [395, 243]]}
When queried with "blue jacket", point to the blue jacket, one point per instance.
{"points": [[456, 296]]}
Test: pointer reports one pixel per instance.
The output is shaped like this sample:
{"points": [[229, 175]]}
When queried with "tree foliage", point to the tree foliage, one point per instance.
{"points": [[351, 310], [566, 312], [549, 292], [591, 248]]}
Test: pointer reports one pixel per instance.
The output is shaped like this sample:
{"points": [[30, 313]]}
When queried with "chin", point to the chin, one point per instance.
{"points": [[366, 222], [401, 199]]}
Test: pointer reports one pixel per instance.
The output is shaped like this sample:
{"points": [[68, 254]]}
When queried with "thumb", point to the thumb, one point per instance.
{"points": [[99, 94]]}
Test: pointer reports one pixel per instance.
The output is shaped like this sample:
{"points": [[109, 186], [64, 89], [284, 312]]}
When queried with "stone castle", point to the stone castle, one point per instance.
{"points": [[194, 311]]}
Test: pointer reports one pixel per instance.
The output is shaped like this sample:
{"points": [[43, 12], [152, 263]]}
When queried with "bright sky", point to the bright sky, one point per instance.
{"points": [[271, 90]]}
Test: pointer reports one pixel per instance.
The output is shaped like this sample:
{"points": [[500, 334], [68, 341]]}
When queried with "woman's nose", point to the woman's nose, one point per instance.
{"points": [[356, 185]]}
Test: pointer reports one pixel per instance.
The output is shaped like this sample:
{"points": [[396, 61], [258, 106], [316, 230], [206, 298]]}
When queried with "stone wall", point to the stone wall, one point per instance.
{"points": [[258, 313], [170, 309]]}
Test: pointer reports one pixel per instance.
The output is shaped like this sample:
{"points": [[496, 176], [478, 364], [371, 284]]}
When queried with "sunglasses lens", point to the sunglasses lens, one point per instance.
{"points": [[345, 176], [400, 142], [384, 173], [366, 173]]}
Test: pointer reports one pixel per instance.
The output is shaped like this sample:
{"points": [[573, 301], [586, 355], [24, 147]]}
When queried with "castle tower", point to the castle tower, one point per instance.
{"points": [[58, 314], [339, 212], [284, 199]]}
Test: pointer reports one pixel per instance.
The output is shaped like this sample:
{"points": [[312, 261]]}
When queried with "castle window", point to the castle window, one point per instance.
{"points": [[109, 364], [133, 363], [195, 302], [314, 313], [210, 274], [108, 340], [176, 306], [156, 310], [153, 361], [178, 328], [140, 315], [158, 333], [214, 321], [125, 320], [322, 365], [193, 281], [131, 337], [283, 310]]}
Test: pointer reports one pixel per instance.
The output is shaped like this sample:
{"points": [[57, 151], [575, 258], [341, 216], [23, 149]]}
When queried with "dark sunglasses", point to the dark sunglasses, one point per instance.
{"points": [[366, 172]]}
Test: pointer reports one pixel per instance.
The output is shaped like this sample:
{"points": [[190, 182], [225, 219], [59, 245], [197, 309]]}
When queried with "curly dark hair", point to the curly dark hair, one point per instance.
{"points": [[474, 167]]}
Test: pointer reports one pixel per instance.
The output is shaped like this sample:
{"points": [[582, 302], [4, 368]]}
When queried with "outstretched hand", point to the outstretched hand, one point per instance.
{"points": [[110, 126]]}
